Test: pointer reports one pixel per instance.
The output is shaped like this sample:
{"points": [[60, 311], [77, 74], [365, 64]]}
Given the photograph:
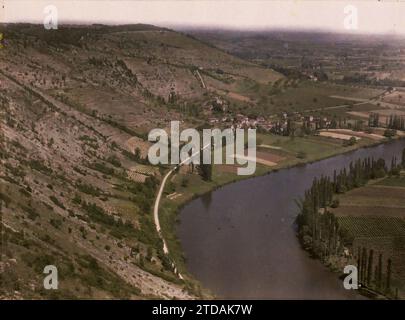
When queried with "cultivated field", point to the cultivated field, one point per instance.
{"points": [[373, 218], [336, 135]]}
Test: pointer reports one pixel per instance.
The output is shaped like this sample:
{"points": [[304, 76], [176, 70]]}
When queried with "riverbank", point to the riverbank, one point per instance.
{"points": [[369, 218], [194, 187]]}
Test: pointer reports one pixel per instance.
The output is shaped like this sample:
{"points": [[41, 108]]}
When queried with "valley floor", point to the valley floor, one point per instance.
{"points": [[284, 152]]}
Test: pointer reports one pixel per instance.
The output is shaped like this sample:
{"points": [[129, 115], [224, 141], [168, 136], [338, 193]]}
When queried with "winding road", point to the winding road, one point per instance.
{"points": [[157, 202]]}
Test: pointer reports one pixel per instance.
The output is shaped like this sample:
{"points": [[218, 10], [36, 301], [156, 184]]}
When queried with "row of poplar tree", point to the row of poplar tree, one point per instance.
{"points": [[394, 121], [318, 228]]}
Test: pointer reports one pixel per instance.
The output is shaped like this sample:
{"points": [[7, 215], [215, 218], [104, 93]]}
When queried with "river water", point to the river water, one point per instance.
{"points": [[240, 241]]}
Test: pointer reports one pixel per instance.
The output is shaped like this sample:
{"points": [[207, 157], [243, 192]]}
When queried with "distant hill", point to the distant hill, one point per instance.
{"points": [[142, 63]]}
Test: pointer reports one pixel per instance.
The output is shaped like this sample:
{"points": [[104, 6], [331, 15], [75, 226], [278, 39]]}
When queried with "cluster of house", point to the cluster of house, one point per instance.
{"points": [[278, 125], [241, 121]]}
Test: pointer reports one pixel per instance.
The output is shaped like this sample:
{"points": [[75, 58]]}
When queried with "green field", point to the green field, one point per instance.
{"points": [[371, 226], [393, 182], [372, 222]]}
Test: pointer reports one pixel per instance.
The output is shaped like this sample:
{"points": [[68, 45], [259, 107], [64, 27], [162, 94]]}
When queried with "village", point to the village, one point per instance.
{"points": [[374, 124]]}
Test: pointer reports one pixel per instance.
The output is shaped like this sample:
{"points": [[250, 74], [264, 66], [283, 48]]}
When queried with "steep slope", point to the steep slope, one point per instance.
{"points": [[76, 189], [73, 198]]}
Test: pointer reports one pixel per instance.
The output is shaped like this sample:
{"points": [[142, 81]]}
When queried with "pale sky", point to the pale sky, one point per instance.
{"points": [[373, 16]]}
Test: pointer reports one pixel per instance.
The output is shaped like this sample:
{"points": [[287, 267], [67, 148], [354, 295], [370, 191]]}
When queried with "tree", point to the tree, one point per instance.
{"points": [[403, 158], [379, 275], [363, 271], [205, 170], [318, 228], [359, 262], [395, 169], [149, 254], [290, 128], [389, 133], [396, 122], [370, 267], [137, 154], [351, 142], [374, 119], [388, 282], [184, 182], [301, 155]]}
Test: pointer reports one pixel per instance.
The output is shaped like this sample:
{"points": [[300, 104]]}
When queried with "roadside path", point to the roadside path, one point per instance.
{"points": [[156, 207]]}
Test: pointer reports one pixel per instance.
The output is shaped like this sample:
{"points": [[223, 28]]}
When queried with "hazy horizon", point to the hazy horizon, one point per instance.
{"points": [[373, 17]]}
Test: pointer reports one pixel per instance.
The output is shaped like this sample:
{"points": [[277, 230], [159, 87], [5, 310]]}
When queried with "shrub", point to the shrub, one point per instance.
{"points": [[39, 166], [88, 189], [101, 167], [114, 161], [57, 202], [56, 223], [389, 133], [32, 213]]}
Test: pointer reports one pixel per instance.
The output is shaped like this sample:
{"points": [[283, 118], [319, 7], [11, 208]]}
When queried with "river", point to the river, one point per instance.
{"points": [[240, 241]]}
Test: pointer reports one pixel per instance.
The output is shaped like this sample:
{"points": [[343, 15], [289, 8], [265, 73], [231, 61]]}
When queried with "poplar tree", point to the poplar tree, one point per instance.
{"points": [[388, 281], [403, 158], [379, 277], [370, 267]]}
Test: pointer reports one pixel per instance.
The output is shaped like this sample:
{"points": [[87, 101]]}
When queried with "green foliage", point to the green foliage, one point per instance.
{"points": [[118, 228], [25, 192], [38, 262], [77, 199], [351, 142], [403, 158], [5, 198], [137, 153], [396, 122], [32, 213], [143, 193], [57, 202], [97, 277], [185, 182], [315, 221], [124, 128], [101, 167], [335, 203], [17, 237], [114, 161], [15, 171], [40, 166], [92, 142], [205, 170], [56, 223], [18, 145], [88, 189], [389, 133], [136, 156], [98, 214]]}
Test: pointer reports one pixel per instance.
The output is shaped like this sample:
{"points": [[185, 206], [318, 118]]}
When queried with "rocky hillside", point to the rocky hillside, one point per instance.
{"points": [[76, 190]]}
